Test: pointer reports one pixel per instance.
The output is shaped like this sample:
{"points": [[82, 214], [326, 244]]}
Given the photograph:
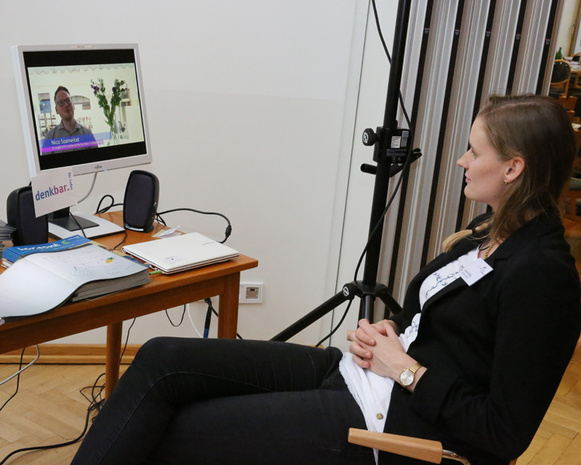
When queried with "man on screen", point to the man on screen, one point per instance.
{"points": [[69, 130]]}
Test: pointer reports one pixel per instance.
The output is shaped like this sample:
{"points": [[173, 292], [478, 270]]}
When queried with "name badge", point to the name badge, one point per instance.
{"points": [[475, 271]]}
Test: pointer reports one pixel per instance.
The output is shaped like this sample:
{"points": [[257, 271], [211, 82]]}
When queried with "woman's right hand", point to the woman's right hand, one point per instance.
{"points": [[362, 342], [378, 349]]}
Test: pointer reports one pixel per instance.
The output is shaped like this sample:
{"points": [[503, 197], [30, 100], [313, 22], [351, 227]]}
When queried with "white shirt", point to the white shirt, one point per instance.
{"points": [[373, 392]]}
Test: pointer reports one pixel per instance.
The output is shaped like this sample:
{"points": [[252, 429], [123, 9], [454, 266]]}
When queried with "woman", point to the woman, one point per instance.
{"points": [[488, 329]]}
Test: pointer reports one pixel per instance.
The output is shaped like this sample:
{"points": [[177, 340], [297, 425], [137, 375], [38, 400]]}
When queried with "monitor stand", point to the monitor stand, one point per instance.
{"points": [[61, 225]]}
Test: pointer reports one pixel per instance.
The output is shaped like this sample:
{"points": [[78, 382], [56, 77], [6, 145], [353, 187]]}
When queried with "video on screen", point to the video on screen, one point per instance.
{"points": [[79, 107]]}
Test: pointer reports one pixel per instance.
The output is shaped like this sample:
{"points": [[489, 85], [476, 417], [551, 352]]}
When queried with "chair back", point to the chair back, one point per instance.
{"points": [[560, 77]]}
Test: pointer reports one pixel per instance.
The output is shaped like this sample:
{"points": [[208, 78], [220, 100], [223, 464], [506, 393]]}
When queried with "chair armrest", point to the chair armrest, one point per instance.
{"points": [[415, 448], [421, 449]]}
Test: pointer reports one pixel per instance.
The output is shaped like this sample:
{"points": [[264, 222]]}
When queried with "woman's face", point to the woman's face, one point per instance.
{"points": [[485, 171]]}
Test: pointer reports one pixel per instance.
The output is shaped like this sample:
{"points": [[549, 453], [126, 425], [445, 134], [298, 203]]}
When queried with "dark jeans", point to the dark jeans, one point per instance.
{"points": [[217, 401]]}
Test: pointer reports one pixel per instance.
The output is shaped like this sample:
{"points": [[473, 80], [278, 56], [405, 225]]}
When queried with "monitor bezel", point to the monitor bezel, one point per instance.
{"points": [[80, 161]]}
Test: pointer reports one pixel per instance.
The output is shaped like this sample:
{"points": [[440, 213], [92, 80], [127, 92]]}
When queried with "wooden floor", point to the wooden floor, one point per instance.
{"points": [[49, 408], [558, 440]]}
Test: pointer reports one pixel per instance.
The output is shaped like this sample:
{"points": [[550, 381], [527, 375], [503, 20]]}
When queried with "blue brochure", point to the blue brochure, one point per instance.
{"points": [[12, 254]]}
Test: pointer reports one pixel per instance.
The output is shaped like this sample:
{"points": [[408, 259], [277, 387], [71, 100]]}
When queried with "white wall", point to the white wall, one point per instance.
{"points": [[250, 107], [567, 26]]}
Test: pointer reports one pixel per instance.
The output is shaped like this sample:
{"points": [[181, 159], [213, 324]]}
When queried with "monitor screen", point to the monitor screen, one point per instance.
{"points": [[82, 107]]}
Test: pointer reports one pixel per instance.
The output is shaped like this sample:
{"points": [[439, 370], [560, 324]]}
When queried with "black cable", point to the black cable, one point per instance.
{"points": [[379, 223], [122, 241], [127, 339], [404, 171], [53, 446], [337, 326], [159, 219], [17, 380], [181, 319], [106, 209], [95, 403], [158, 216], [378, 25], [109, 207], [228, 228], [386, 50], [96, 397], [406, 165], [208, 319], [71, 216], [213, 310]]}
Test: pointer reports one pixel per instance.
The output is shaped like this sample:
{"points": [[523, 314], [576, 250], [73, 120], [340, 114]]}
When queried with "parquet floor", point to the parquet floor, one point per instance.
{"points": [[558, 440], [49, 408]]}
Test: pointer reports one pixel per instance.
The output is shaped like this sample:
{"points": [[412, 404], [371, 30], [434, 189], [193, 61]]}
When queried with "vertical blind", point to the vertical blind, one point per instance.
{"points": [[458, 52]]}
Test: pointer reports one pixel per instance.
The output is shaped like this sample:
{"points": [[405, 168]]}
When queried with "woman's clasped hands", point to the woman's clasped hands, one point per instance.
{"points": [[377, 347]]}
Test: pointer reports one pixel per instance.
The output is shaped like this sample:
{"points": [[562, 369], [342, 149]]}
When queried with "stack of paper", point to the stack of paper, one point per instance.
{"points": [[6, 231], [5, 235], [40, 282]]}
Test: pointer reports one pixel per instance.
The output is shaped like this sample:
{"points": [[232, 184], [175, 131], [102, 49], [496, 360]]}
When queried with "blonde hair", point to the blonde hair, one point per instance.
{"points": [[453, 239]]}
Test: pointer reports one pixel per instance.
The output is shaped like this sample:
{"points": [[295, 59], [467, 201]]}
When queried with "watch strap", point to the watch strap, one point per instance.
{"points": [[415, 367]]}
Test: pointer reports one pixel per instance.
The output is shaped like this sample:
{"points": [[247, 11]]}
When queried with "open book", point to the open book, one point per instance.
{"points": [[42, 281]]}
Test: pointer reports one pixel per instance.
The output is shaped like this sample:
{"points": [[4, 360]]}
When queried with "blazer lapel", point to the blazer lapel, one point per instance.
{"points": [[503, 252]]}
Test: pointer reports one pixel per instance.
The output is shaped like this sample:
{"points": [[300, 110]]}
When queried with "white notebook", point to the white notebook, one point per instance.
{"points": [[179, 253]]}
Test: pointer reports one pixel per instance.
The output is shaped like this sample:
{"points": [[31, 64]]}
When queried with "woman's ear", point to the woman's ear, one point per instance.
{"points": [[514, 169]]}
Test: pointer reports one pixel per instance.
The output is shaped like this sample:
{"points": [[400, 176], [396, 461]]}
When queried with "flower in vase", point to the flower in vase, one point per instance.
{"points": [[109, 106]]}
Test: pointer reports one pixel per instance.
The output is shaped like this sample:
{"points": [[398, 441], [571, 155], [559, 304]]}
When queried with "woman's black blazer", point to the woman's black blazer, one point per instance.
{"points": [[495, 350]]}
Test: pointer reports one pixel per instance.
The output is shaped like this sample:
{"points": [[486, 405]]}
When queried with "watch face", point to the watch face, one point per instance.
{"points": [[406, 378]]}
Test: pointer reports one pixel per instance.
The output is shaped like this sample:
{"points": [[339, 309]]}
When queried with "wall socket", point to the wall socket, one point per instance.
{"points": [[250, 293]]}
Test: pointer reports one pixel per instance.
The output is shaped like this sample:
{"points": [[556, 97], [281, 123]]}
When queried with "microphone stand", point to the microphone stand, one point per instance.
{"points": [[390, 153]]}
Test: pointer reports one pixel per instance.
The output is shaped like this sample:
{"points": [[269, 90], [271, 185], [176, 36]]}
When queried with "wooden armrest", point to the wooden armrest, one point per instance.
{"points": [[421, 449]]}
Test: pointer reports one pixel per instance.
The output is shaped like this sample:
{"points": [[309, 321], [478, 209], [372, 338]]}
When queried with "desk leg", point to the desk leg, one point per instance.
{"points": [[114, 334], [228, 320]]}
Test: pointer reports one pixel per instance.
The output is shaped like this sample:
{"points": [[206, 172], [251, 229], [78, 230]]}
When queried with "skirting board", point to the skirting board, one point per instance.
{"points": [[62, 354]]}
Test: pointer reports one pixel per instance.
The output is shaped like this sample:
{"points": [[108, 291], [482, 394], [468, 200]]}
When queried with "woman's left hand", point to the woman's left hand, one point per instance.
{"points": [[379, 349]]}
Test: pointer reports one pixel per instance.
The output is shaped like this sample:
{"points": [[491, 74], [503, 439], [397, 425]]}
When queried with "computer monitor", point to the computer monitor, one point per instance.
{"points": [[102, 87]]}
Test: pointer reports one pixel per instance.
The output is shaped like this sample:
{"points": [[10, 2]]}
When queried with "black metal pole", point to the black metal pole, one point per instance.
{"points": [[368, 289], [384, 161]]}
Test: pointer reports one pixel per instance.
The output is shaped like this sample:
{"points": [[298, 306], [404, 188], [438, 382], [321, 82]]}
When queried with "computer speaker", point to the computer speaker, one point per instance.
{"points": [[140, 202], [20, 214]]}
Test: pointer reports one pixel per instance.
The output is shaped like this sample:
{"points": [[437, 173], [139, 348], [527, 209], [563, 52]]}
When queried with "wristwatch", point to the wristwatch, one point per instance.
{"points": [[406, 377]]}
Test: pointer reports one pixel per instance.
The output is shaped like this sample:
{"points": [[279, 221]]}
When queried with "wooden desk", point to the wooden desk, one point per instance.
{"points": [[161, 293]]}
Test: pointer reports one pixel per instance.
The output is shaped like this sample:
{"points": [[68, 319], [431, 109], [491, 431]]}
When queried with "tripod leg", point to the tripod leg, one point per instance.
{"points": [[314, 315]]}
